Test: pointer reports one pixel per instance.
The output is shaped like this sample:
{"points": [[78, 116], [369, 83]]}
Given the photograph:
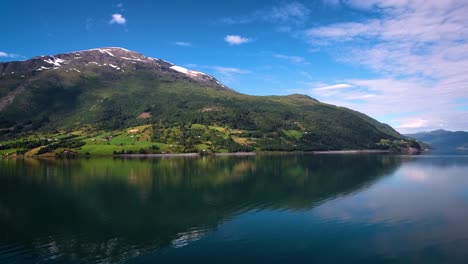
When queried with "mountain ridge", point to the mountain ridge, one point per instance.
{"points": [[106, 56], [112, 89], [444, 140]]}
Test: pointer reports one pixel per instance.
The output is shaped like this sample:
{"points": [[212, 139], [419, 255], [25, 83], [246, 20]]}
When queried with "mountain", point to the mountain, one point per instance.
{"points": [[444, 141], [151, 104]]}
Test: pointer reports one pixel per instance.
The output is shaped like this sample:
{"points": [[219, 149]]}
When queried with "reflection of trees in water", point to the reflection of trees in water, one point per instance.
{"points": [[115, 208]]}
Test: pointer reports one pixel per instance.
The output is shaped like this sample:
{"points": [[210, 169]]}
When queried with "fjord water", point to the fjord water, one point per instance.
{"points": [[273, 209]]}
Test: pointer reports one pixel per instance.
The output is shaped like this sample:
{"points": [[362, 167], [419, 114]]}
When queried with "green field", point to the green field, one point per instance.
{"points": [[133, 140], [296, 134]]}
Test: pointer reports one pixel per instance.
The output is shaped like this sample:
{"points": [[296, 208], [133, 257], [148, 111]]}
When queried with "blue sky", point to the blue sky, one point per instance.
{"points": [[403, 62]]}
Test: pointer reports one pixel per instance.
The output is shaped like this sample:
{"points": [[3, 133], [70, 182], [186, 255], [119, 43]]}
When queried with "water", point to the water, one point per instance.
{"points": [[277, 209]]}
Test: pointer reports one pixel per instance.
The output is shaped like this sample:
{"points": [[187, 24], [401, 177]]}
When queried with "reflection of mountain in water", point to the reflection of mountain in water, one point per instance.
{"points": [[113, 209]]}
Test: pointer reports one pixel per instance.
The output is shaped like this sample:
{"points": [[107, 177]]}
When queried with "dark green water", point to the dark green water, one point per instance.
{"points": [[277, 209]]}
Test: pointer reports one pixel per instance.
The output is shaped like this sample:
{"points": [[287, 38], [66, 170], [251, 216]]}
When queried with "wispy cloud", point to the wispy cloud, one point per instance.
{"points": [[292, 59], [334, 87], [236, 39], [228, 75], [8, 55], [118, 19], [408, 100], [419, 49], [413, 124], [89, 24], [229, 70], [293, 12], [342, 93], [183, 44], [306, 75], [342, 32]]}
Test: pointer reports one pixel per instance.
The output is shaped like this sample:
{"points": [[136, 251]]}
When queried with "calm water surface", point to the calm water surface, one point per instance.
{"points": [[277, 209]]}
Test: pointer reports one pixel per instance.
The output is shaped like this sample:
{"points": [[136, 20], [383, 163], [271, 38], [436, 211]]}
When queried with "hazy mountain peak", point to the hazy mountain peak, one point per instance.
{"points": [[444, 141]]}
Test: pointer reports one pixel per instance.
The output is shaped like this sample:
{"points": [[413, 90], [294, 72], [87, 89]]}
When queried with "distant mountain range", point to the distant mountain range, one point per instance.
{"points": [[444, 141], [107, 93]]}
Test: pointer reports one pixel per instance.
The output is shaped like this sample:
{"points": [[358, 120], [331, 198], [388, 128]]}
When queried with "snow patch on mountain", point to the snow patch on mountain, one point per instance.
{"points": [[43, 68], [108, 52], [114, 66], [132, 59], [55, 61], [187, 72]]}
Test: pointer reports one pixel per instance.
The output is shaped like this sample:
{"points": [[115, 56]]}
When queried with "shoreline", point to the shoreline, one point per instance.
{"points": [[234, 154], [168, 155], [243, 154], [327, 152], [231, 154], [357, 151]]}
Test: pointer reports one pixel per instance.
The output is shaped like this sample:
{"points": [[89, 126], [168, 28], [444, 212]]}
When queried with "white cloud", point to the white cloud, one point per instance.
{"points": [[236, 40], [360, 96], [412, 124], [118, 19], [183, 44], [344, 94], [419, 49], [334, 87], [292, 59], [7, 55], [230, 70]]}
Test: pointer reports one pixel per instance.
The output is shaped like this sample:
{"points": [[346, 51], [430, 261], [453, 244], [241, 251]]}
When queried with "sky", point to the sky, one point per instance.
{"points": [[402, 62]]}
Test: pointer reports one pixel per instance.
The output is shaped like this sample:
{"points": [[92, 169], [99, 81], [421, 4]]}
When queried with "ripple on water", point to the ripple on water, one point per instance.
{"points": [[13, 253], [330, 208]]}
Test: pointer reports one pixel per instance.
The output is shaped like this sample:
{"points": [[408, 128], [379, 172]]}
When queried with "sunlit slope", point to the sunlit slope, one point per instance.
{"points": [[103, 92]]}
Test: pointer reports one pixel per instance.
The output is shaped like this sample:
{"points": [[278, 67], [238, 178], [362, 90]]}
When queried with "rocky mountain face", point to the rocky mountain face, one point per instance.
{"points": [[118, 59]]}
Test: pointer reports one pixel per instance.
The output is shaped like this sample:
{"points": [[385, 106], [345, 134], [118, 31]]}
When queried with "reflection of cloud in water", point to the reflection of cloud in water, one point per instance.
{"points": [[184, 238], [422, 203], [131, 207], [414, 174]]}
